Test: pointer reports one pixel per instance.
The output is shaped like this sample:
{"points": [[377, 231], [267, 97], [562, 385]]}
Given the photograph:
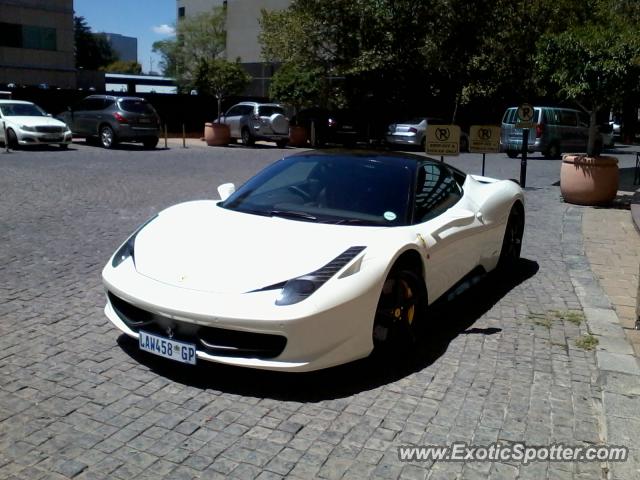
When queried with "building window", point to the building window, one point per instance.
{"points": [[26, 36], [181, 12]]}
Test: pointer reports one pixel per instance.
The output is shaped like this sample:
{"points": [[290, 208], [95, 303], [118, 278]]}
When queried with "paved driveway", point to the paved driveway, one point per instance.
{"points": [[77, 400]]}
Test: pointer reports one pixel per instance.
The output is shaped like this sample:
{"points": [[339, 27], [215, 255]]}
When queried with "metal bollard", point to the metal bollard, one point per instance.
{"points": [[184, 136], [166, 141]]}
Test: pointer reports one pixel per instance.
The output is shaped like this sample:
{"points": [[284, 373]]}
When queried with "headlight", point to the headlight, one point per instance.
{"points": [[27, 128], [297, 289], [127, 249]]}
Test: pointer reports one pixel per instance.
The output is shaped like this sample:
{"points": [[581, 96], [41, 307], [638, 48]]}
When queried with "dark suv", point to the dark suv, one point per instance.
{"points": [[114, 119]]}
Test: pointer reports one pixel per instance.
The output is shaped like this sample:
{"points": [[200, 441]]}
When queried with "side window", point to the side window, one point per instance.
{"points": [[436, 191], [246, 110], [233, 111], [107, 103], [568, 118]]}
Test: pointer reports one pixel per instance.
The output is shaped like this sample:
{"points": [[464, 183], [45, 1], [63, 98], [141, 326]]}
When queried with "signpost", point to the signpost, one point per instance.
{"points": [[524, 115], [484, 139], [443, 140]]}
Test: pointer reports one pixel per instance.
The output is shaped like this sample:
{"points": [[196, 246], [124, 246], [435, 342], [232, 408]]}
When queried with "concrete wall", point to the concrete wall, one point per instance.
{"points": [[243, 27], [194, 7], [32, 66]]}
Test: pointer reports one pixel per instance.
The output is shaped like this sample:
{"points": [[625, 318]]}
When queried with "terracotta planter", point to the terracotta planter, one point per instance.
{"points": [[297, 136], [216, 134], [589, 180]]}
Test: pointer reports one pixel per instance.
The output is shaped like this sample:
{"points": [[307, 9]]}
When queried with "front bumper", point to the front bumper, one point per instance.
{"points": [[35, 138], [331, 327]]}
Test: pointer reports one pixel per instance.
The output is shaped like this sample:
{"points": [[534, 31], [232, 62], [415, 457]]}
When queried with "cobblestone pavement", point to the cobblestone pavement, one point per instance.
{"points": [[612, 245], [78, 401]]}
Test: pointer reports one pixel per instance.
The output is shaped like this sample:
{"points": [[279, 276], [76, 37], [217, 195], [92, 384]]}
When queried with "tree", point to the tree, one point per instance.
{"points": [[199, 38], [121, 66], [591, 65], [299, 85], [92, 50], [220, 78]]}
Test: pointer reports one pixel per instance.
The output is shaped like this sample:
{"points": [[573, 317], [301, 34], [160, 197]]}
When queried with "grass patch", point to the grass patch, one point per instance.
{"points": [[541, 319], [570, 316], [587, 342]]}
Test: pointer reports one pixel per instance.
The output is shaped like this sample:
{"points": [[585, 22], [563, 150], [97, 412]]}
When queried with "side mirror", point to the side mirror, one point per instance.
{"points": [[49, 115], [225, 190]]}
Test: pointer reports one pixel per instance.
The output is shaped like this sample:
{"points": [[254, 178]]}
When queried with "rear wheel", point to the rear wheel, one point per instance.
{"points": [[401, 304], [282, 143], [107, 137], [512, 153], [150, 143], [64, 146], [512, 241], [553, 151], [247, 139]]}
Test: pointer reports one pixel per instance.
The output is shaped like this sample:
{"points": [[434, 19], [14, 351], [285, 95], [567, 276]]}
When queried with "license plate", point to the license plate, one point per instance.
{"points": [[52, 138], [144, 120], [167, 348]]}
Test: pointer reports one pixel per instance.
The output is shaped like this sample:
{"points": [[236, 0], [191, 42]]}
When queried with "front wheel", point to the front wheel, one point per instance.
{"points": [[282, 143], [512, 153], [107, 137], [512, 241], [401, 304], [12, 139]]}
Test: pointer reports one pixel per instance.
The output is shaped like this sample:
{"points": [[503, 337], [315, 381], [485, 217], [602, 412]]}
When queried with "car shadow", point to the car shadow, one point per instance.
{"points": [[446, 319]]}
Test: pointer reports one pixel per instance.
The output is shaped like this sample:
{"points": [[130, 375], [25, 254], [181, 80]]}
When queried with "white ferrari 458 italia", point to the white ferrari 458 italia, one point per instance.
{"points": [[316, 261]]}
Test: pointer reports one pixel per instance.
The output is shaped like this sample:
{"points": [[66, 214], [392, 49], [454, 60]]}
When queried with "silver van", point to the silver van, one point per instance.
{"points": [[556, 130]]}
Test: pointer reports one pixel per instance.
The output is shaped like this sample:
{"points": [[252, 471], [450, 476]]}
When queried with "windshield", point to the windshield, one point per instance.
{"points": [[136, 106], [268, 110], [21, 110], [349, 189]]}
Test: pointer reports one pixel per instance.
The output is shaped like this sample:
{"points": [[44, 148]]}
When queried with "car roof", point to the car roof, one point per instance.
{"points": [[22, 102], [114, 97], [259, 104], [408, 158]]}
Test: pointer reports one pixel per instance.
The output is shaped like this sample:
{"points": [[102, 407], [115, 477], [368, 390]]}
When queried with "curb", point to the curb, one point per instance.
{"points": [[619, 377]]}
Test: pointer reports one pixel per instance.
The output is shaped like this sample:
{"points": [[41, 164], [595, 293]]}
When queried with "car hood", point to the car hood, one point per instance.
{"points": [[201, 246], [36, 121]]}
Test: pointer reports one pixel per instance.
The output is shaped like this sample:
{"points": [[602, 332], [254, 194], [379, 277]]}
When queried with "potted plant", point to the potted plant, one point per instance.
{"points": [[219, 78], [589, 65]]}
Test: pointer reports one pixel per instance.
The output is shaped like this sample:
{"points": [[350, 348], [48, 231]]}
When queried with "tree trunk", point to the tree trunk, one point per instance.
{"points": [[593, 132]]}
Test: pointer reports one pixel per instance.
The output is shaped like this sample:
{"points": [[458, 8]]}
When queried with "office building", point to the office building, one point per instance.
{"points": [[126, 48], [36, 42]]}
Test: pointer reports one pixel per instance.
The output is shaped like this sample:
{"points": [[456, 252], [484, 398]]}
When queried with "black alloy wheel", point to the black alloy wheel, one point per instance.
{"points": [[400, 307]]}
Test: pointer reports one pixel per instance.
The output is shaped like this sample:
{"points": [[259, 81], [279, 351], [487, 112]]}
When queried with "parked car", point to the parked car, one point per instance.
{"points": [[331, 127], [608, 136], [412, 132], [316, 261], [556, 130], [251, 121], [28, 124], [114, 119]]}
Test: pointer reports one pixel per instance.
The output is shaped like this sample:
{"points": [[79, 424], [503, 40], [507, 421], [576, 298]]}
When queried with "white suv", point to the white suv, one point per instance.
{"points": [[251, 121]]}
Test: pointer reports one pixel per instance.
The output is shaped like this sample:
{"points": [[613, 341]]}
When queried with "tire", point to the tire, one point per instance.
{"points": [[12, 139], [402, 302], [246, 138], [512, 153], [64, 146], [107, 137], [150, 143], [282, 143], [553, 151], [512, 240]]}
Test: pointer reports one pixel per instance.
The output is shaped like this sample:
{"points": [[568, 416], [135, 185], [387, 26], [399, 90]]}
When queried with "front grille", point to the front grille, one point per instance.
{"points": [[211, 340], [50, 129]]}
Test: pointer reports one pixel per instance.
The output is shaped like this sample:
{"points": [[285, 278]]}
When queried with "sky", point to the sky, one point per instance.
{"points": [[147, 20]]}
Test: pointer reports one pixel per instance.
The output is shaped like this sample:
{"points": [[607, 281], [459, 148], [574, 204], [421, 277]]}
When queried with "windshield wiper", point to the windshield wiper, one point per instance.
{"points": [[355, 221], [293, 214]]}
